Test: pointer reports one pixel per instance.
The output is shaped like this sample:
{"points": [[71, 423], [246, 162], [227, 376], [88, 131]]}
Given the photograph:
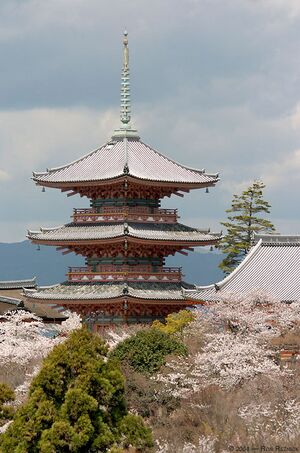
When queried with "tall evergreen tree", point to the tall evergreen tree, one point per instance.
{"points": [[244, 219]]}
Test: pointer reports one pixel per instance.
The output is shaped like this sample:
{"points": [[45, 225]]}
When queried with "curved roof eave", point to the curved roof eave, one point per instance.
{"points": [[211, 182], [102, 232]]}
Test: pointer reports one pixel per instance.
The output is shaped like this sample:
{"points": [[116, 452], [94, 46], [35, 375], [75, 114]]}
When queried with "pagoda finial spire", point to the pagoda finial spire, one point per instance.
{"points": [[125, 130], [125, 84]]}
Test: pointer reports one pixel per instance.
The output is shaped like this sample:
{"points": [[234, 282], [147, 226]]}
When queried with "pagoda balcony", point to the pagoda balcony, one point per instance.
{"points": [[120, 273], [125, 213]]}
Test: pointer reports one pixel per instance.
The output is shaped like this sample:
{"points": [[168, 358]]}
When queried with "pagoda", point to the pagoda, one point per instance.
{"points": [[125, 235]]}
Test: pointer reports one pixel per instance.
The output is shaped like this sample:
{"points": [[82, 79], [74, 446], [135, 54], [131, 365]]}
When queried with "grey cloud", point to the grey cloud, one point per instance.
{"points": [[57, 55], [215, 84]]}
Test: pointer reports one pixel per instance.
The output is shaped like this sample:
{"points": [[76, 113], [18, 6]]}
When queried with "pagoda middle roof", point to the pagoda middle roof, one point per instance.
{"points": [[164, 232], [67, 291], [127, 156]]}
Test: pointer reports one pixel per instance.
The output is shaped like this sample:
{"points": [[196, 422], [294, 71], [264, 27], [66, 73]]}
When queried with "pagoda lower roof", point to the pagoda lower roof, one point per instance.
{"points": [[104, 291], [126, 157], [97, 232], [271, 266]]}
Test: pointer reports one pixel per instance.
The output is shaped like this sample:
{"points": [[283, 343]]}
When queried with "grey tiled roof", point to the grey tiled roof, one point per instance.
{"points": [[10, 300], [169, 232], [164, 291], [45, 311], [109, 160], [272, 265], [15, 284]]}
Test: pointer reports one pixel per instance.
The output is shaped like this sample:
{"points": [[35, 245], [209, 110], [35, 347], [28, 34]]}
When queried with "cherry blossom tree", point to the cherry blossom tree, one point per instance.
{"points": [[72, 322], [281, 420], [114, 337], [228, 361], [204, 445], [237, 333], [234, 346], [25, 340], [257, 313]]}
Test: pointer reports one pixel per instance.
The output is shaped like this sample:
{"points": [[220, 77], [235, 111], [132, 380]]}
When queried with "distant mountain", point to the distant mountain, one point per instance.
{"points": [[22, 260], [200, 268]]}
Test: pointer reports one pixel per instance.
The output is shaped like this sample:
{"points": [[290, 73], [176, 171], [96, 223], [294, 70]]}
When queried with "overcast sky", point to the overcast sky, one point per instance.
{"points": [[215, 85]]}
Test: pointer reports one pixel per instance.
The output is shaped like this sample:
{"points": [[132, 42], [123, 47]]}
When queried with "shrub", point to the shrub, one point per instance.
{"points": [[135, 432], [76, 403], [146, 351], [175, 322], [6, 395], [146, 397]]}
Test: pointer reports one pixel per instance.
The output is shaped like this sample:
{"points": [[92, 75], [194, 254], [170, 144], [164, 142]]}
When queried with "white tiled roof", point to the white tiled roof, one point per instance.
{"points": [[174, 232], [16, 284], [109, 161], [163, 291], [70, 232], [170, 232], [272, 265]]}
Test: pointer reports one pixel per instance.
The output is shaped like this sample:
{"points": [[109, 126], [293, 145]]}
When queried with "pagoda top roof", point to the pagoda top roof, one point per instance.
{"points": [[124, 157], [272, 265]]}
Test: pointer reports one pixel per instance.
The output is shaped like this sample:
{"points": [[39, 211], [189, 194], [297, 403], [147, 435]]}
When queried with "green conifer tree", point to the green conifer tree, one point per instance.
{"points": [[76, 404], [244, 219], [6, 396]]}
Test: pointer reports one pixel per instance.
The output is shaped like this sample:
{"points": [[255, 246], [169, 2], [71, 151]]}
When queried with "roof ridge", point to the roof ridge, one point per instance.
{"points": [[129, 223], [277, 238], [21, 280]]}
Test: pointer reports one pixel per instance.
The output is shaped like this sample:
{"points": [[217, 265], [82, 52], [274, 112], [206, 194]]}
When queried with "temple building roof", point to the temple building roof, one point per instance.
{"points": [[12, 298], [18, 284], [125, 157], [163, 232], [44, 311], [272, 265], [164, 291]]}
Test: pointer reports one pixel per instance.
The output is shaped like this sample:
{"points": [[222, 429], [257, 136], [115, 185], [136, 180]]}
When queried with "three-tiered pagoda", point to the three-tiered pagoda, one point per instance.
{"points": [[125, 235]]}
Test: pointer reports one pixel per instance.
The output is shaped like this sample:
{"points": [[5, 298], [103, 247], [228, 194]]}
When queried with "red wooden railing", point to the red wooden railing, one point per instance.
{"points": [[121, 213], [124, 272]]}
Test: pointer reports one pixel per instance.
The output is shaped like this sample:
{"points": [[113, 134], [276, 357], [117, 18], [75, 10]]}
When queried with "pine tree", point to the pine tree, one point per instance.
{"points": [[244, 219]]}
